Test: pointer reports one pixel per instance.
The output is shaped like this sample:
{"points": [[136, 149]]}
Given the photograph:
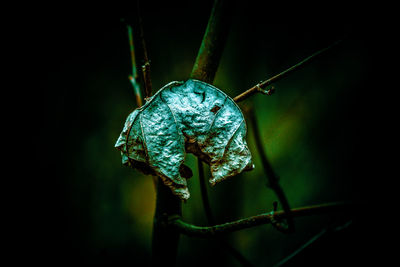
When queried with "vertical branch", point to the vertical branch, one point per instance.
{"points": [[213, 42], [134, 76], [273, 180], [146, 66], [165, 238], [204, 69], [147, 80], [204, 197], [208, 59]]}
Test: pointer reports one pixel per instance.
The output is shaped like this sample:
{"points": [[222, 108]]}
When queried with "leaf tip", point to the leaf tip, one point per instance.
{"points": [[182, 193]]}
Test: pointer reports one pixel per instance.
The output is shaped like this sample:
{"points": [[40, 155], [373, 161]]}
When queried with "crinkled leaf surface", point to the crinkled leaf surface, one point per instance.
{"points": [[186, 117]]}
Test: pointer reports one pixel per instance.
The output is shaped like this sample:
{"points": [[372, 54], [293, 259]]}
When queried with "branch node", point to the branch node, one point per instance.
{"points": [[270, 91], [275, 205], [172, 218], [258, 88], [147, 79], [276, 221]]}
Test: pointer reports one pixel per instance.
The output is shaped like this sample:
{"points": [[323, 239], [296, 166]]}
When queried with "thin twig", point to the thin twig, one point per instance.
{"points": [[265, 218], [146, 67], [272, 178], [259, 88], [147, 80], [308, 243], [146, 72], [134, 76], [312, 240]]}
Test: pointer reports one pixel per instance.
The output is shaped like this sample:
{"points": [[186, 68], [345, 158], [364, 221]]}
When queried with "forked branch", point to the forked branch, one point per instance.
{"points": [[265, 218]]}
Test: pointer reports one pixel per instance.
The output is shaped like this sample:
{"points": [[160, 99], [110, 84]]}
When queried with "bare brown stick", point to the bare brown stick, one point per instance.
{"points": [[146, 67], [259, 88], [147, 80], [272, 178], [265, 218]]}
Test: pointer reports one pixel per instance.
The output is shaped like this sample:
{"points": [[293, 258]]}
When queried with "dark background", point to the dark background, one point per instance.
{"points": [[88, 208]]}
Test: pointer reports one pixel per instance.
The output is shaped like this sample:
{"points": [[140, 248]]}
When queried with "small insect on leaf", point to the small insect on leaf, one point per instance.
{"points": [[186, 117]]}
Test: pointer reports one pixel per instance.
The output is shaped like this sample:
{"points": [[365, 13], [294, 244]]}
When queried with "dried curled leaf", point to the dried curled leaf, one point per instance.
{"points": [[186, 117]]}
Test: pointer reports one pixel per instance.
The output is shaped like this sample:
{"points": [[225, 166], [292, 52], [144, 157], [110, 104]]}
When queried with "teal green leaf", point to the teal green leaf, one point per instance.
{"points": [[186, 117]]}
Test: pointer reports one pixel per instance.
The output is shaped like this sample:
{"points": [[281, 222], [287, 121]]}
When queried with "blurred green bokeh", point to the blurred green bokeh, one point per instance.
{"points": [[309, 127]]}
